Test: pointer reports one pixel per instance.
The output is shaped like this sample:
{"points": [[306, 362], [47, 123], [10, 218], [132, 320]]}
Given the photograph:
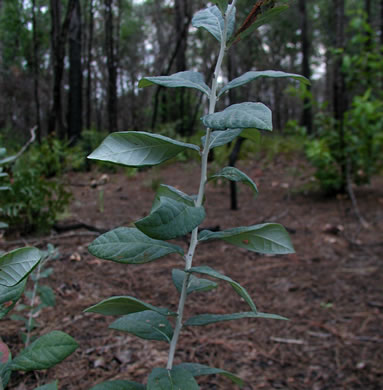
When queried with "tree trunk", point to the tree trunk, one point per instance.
{"points": [[176, 56], [180, 7], [112, 67], [306, 120], [233, 99], [88, 92], [75, 75], [59, 34], [36, 71], [381, 22], [340, 90]]}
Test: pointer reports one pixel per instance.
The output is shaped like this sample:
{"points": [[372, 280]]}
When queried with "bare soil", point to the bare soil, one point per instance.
{"points": [[331, 289]]}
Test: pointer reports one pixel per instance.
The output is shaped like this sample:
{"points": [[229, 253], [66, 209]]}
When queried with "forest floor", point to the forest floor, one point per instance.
{"points": [[331, 289]]}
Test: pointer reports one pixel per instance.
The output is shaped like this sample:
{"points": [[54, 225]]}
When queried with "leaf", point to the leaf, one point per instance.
{"points": [[118, 306], [47, 295], [219, 138], [188, 79], [211, 19], [7, 160], [50, 386], [241, 291], [147, 325], [172, 193], [242, 115], [206, 319], [253, 75], [199, 369], [130, 246], [45, 352], [17, 265], [222, 5], [9, 297], [269, 238], [234, 174], [175, 379], [118, 385], [261, 19], [195, 284], [171, 219], [138, 148]]}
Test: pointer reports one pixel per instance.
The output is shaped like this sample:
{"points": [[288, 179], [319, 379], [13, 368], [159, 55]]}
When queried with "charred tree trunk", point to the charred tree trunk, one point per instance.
{"points": [[59, 34], [233, 99], [75, 75], [175, 58], [36, 67], [306, 120], [112, 67], [88, 92], [180, 7], [340, 90]]}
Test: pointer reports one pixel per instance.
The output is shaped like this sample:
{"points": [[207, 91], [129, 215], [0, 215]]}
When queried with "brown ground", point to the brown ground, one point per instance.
{"points": [[331, 289]]}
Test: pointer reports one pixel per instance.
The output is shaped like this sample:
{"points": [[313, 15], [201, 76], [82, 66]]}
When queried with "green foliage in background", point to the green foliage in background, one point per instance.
{"points": [[362, 123]]}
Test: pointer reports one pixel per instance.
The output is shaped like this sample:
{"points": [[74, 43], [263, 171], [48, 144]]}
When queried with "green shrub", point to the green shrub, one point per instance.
{"points": [[32, 201]]}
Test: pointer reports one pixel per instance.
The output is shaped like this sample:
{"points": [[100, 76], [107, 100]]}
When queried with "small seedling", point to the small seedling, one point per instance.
{"points": [[39, 297], [47, 350]]}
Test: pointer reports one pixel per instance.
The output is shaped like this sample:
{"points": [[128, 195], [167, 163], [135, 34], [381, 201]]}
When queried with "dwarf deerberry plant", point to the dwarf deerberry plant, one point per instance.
{"points": [[176, 214]]}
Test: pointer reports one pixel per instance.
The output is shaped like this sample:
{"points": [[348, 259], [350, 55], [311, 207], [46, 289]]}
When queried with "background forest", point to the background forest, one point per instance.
{"points": [[70, 70]]}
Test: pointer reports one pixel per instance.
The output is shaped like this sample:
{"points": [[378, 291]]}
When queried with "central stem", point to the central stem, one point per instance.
{"points": [[204, 160]]}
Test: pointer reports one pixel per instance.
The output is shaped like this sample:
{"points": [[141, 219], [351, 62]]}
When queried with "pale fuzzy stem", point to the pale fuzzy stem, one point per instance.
{"points": [[30, 316], [201, 193]]}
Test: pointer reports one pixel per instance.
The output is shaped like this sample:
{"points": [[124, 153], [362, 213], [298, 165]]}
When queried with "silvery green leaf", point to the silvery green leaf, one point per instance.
{"points": [[211, 19], [118, 385], [45, 352], [234, 174], [175, 379], [147, 325], [137, 148], [241, 291], [254, 75], [9, 297], [119, 306], [200, 369], [219, 137], [171, 219], [172, 193], [268, 238], [195, 284], [130, 246], [207, 319], [187, 79], [242, 115], [17, 264]]}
